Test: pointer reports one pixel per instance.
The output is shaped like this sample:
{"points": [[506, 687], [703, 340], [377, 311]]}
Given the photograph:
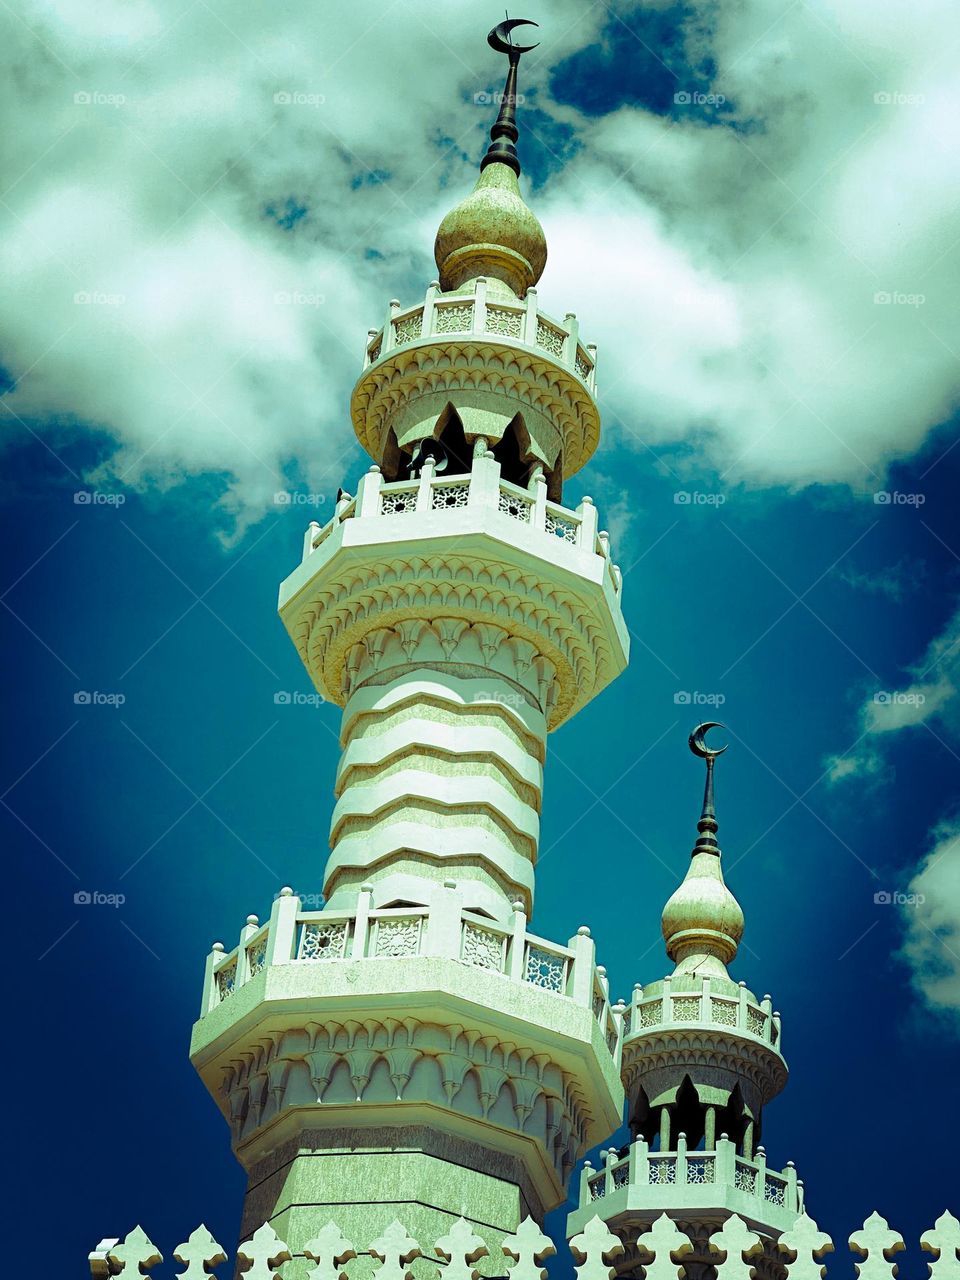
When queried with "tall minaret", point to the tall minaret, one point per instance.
{"points": [[411, 1051], [701, 1058]]}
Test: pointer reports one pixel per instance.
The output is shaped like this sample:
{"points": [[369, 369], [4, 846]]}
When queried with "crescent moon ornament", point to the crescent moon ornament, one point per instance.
{"points": [[500, 39], [698, 744]]}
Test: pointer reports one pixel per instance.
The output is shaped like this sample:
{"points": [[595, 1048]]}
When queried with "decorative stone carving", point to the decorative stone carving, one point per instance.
{"points": [[803, 1246], [199, 1252], [739, 1243], [263, 1253], [529, 1246], [460, 1248], [664, 1243], [591, 1249], [329, 1248], [877, 1244], [944, 1243]]}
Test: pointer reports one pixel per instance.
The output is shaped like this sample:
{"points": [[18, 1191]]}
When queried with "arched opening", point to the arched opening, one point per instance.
{"points": [[733, 1119], [688, 1114], [512, 451]]}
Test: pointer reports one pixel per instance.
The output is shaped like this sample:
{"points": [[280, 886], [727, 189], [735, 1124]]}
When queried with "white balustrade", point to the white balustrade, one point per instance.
{"points": [[704, 1006], [500, 320]]}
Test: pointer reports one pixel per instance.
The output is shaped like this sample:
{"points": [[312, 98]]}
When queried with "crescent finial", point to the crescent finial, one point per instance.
{"points": [[697, 742]]}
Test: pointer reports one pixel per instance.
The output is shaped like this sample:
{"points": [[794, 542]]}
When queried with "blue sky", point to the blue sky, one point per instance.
{"points": [[797, 599]]}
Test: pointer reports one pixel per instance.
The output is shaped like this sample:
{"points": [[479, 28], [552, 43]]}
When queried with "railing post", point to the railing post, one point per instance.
{"points": [[282, 938], [211, 995], [368, 493], [389, 336], [792, 1201], [638, 1169], [584, 955], [530, 319], [681, 1159], [571, 340], [445, 922], [603, 538], [484, 488], [585, 1175], [243, 964], [726, 1161], [667, 1011], [538, 515], [761, 1163], [742, 1009], [371, 334], [618, 1010], [705, 999], [592, 379], [587, 531], [313, 528], [424, 489], [518, 942], [429, 308], [607, 1157], [775, 1022], [480, 305], [361, 923]]}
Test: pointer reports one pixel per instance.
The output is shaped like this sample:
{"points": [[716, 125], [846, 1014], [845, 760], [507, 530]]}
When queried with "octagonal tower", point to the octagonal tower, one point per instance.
{"points": [[412, 1050]]}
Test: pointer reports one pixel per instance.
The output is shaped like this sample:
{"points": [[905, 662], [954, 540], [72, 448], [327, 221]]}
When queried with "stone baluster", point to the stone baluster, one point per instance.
{"points": [[943, 1241], [681, 1159], [792, 1198], [530, 319], [666, 1243], [593, 1248], [586, 1173], [518, 941], [389, 333], [603, 541], [198, 1252], [726, 1161], [243, 960], [371, 334], [429, 308], [484, 482], [538, 512], [313, 528], [361, 921], [368, 493], [618, 1010], [480, 305], [587, 529], [529, 1247], [608, 1156], [584, 954], [425, 487], [211, 990], [592, 377], [328, 1249], [264, 1251], [571, 340], [742, 1007], [282, 936], [460, 1248], [445, 923], [877, 1244], [760, 1161], [638, 1169], [802, 1245]]}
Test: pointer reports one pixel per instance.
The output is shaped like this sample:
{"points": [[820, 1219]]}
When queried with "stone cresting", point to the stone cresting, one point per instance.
{"points": [[664, 1252]]}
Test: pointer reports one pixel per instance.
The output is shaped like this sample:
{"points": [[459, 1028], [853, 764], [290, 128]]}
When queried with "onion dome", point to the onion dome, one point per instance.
{"points": [[492, 233], [702, 922]]}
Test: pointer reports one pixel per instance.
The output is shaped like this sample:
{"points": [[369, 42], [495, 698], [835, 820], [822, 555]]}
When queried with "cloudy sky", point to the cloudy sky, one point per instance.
{"points": [[752, 207]]}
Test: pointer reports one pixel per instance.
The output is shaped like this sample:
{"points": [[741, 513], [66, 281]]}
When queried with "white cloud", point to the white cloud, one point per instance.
{"points": [[932, 942], [729, 275]]}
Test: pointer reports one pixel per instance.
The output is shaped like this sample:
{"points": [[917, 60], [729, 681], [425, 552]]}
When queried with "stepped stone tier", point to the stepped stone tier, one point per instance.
{"points": [[412, 1049]]}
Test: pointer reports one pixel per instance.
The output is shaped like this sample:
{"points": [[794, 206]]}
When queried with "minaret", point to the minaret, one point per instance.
{"points": [[411, 1050], [702, 1056]]}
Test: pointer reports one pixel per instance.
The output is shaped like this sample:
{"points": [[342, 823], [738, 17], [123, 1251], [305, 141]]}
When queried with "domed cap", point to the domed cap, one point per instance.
{"points": [[702, 922], [492, 233]]}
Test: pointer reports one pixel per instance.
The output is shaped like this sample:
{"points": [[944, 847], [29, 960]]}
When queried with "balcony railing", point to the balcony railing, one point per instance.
{"points": [[481, 488], [704, 1006], [713, 1170], [295, 936], [498, 320]]}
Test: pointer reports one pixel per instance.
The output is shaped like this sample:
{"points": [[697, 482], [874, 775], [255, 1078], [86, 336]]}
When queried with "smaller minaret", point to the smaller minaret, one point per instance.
{"points": [[701, 1059]]}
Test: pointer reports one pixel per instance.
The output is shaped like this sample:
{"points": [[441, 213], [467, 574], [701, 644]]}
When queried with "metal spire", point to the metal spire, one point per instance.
{"points": [[708, 825], [504, 134]]}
